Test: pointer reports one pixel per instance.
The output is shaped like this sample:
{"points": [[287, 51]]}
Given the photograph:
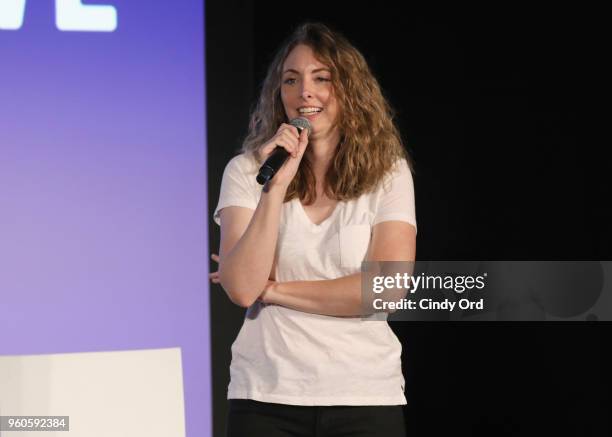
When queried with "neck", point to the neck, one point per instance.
{"points": [[320, 152]]}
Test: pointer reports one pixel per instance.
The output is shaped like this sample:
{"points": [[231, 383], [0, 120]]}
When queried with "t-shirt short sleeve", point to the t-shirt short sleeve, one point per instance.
{"points": [[238, 186], [396, 196]]}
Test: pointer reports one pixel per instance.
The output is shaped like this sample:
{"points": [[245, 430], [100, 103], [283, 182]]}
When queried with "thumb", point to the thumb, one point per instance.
{"points": [[303, 140]]}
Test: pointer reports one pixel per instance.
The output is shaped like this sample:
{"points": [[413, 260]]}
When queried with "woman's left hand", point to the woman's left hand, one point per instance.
{"points": [[267, 295], [214, 276]]}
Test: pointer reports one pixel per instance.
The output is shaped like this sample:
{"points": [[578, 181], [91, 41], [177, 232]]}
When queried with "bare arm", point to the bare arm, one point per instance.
{"points": [[248, 238], [248, 242], [391, 241]]}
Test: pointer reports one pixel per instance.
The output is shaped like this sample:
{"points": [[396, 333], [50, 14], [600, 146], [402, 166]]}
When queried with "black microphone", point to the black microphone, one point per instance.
{"points": [[278, 157]]}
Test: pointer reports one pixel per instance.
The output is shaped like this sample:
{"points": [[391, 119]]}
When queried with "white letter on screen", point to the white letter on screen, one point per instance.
{"points": [[11, 14], [72, 15]]}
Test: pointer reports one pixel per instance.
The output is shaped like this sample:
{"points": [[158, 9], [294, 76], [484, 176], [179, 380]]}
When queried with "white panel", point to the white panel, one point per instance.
{"points": [[106, 394], [11, 14], [72, 15]]}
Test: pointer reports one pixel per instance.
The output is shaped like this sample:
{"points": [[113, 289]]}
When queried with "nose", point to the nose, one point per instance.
{"points": [[305, 91]]}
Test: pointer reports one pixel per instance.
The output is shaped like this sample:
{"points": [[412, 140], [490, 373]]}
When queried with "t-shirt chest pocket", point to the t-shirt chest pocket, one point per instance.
{"points": [[354, 241]]}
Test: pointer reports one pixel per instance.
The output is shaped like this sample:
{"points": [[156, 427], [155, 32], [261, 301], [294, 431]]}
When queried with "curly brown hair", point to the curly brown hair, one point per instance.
{"points": [[370, 142]]}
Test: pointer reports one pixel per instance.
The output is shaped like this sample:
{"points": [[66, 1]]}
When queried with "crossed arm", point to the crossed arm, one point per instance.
{"points": [[391, 241]]}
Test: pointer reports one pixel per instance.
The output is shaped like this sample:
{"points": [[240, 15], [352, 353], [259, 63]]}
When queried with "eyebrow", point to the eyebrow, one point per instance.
{"points": [[291, 70]]}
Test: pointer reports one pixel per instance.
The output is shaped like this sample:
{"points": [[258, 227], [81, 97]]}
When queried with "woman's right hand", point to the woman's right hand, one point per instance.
{"points": [[288, 138]]}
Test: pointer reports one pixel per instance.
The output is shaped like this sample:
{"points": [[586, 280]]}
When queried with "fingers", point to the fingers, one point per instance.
{"points": [[286, 137], [289, 140], [290, 128], [214, 277], [303, 142]]}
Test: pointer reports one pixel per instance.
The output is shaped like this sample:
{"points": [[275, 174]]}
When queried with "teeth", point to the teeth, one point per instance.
{"points": [[309, 110]]}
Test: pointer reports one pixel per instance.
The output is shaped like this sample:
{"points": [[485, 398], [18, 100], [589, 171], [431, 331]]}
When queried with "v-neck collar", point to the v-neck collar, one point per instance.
{"points": [[313, 226]]}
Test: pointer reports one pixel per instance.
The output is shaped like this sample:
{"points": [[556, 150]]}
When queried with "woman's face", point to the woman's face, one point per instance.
{"points": [[307, 91]]}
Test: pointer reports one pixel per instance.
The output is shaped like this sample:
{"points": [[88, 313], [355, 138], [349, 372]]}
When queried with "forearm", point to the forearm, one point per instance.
{"points": [[244, 271], [334, 297]]}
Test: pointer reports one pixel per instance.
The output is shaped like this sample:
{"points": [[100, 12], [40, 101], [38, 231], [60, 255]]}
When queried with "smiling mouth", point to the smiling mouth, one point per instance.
{"points": [[309, 111]]}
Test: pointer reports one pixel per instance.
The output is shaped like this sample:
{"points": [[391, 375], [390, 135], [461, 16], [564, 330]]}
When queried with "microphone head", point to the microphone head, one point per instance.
{"points": [[301, 123]]}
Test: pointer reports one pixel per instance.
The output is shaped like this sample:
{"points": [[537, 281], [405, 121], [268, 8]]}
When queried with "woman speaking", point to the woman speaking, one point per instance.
{"points": [[307, 361]]}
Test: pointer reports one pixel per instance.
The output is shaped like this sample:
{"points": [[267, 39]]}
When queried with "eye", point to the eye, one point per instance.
{"points": [[289, 81], [323, 79]]}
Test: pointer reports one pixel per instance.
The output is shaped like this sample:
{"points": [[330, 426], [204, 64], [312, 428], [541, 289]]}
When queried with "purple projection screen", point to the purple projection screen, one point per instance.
{"points": [[103, 216]]}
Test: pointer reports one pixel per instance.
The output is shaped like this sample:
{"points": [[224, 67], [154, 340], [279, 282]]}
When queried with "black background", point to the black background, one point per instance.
{"points": [[497, 106]]}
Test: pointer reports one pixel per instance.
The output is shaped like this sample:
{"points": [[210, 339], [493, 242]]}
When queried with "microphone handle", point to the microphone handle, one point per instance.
{"points": [[274, 162], [276, 159]]}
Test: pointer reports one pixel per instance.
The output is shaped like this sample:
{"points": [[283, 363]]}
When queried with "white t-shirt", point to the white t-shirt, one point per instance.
{"points": [[286, 356]]}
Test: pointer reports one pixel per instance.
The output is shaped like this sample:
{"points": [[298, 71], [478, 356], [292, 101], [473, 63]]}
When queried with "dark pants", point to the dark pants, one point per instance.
{"points": [[249, 418]]}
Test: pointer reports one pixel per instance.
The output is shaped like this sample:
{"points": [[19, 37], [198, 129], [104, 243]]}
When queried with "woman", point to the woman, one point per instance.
{"points": [[307, 361]]}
